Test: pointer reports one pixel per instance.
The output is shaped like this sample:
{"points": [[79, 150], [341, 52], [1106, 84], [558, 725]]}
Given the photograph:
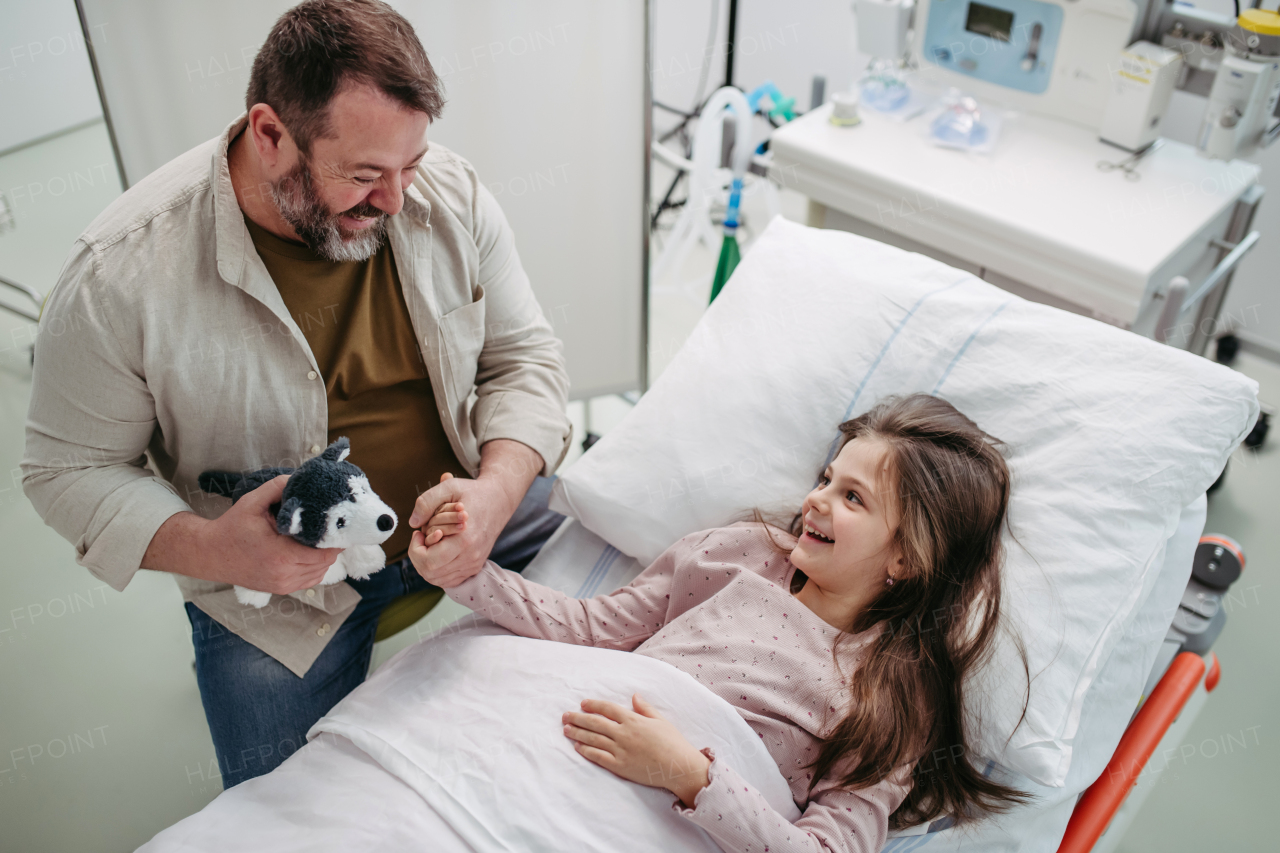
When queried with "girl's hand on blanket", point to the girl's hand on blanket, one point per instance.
{"points": [[638, 745]]}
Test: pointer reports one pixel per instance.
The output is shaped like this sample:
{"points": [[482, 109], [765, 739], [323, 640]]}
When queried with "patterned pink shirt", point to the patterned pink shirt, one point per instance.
{"points": [[717, 606]]}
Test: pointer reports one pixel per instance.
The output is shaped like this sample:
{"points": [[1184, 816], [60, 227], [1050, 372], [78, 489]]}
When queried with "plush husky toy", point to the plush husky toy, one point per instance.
{"points": [[327, 503]]}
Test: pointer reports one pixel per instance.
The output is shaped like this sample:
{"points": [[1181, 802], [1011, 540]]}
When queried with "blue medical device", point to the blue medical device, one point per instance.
{"points": [[1009, 43]]}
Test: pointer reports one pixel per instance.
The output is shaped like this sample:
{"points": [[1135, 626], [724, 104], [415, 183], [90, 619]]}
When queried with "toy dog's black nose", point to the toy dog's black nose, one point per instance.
{"points": [[385, 522]]}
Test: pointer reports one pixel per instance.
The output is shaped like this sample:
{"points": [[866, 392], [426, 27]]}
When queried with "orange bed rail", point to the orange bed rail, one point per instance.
{"points": [[1104, 797]]}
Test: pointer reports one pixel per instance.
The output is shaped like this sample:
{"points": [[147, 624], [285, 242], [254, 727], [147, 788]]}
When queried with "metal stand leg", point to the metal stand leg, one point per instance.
{"points": [[817, 215], [590, 438], [1206, 323]]}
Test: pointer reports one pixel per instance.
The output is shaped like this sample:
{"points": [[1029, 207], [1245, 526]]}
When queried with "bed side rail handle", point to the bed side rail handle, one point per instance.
{"points": [[1226, 265], [1104, 797]]}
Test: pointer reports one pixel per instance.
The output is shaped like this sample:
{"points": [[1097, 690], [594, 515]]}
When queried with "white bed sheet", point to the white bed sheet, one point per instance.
{"points": [[456, 742], [329, 795]]}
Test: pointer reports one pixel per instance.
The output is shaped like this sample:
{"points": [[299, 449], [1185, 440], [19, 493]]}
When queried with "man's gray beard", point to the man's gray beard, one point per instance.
{"points": [[298, 203]]}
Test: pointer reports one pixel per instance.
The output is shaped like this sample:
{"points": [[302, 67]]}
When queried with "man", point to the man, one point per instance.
{"points": [[319, 270]]}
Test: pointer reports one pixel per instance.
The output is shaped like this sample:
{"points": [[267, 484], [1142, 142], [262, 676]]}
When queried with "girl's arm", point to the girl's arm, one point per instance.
{"points": [[620, 620], [836, 820]]}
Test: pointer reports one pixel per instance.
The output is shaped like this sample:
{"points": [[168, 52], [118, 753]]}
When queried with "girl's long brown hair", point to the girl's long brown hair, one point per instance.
{"points": [[940, 617]]}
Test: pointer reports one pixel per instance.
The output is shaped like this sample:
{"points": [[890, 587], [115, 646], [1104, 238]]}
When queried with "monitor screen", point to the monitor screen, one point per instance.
{"points": [[989, 21]]}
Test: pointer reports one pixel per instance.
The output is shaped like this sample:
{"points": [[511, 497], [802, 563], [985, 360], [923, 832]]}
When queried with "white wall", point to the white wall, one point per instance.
{"points": [[545, 99], [54, 189], [790, 42], [46, 84], [57, 169]]}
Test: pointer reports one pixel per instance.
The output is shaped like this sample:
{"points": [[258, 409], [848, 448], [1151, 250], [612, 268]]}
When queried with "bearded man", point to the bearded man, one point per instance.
{"points": [[319, 270]]}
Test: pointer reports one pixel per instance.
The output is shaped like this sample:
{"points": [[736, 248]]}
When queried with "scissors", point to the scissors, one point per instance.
{"points": [[1129, 164]]}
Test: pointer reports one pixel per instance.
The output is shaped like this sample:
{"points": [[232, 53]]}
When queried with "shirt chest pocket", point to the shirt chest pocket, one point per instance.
{"points": [[462, 339]]}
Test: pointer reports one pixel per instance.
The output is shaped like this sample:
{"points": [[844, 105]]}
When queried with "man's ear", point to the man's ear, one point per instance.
{"points": [[270, 137]]}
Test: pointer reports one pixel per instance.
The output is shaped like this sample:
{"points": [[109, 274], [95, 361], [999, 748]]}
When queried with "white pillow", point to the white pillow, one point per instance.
{"points": [[1109, 436]]}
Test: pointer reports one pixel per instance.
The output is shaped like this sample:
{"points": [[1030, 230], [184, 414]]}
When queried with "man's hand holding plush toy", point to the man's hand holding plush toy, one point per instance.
{"points": [[243, 546], [324, 505]]}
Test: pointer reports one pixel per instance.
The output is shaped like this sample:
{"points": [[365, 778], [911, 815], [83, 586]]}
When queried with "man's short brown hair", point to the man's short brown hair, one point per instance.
{"points": [[320, 45]]}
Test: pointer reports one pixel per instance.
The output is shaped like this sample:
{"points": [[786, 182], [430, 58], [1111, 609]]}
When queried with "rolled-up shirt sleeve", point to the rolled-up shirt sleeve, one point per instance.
{"points": [[522, 385], [90, 420], [836, 820]]}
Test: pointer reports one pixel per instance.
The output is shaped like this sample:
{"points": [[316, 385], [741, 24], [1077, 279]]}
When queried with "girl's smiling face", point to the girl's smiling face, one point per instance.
{"points": [[846, 547]]}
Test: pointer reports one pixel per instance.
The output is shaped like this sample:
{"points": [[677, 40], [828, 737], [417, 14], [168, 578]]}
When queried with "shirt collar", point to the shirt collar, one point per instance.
{"points": [[231, 235]]}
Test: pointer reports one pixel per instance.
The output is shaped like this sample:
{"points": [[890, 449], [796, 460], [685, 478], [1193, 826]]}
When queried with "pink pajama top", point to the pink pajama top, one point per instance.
{"points": [[717, 606]]}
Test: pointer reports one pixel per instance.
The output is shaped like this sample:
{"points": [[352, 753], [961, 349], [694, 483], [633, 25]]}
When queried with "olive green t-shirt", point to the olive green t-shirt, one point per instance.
{"points": [[353, 315]]}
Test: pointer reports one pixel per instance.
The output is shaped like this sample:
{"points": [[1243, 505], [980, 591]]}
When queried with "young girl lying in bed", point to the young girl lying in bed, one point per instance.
{"points": [[844, 644]]}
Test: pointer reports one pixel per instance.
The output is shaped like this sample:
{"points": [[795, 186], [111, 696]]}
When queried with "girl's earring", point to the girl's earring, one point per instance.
{"points": [[888, 581]]}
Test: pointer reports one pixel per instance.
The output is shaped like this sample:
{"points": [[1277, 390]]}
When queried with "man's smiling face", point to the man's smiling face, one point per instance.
{"points": [[339, 196]]}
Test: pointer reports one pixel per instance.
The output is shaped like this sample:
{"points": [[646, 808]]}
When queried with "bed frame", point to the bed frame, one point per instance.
{"points": [[1107, 807]]}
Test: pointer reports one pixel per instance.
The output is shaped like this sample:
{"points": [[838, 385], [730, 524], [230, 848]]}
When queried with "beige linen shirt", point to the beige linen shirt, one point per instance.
{"points": [[165, 350]]}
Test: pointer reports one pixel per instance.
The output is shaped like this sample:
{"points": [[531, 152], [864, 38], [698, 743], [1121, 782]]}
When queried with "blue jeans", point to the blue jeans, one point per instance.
{"points": [[259, 711]]}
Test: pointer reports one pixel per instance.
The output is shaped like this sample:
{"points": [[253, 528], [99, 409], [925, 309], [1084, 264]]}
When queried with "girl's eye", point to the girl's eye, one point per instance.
{"points": [[853, 496], [824, 480]]}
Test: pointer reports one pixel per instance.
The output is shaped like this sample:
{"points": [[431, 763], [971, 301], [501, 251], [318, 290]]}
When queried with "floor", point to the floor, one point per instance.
{"points": [[103, 740], [1214, 794]]}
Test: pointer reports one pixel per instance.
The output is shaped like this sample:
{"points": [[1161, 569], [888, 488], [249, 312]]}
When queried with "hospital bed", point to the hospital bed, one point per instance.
{"points": [[1112, 440], [579, 563]]}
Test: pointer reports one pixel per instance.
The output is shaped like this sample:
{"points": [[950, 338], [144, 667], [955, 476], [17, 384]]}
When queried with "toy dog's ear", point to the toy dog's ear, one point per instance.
{"points": [[289, 518], [338, 451]]}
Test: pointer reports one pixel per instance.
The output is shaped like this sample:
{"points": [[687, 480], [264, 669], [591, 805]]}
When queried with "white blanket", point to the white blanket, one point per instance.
{"points": [[460, 748]]}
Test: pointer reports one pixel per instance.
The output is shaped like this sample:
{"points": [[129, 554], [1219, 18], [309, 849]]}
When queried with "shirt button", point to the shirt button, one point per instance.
{"points": [[322, 630], [311, 593], [311, 374], [315, 448]]}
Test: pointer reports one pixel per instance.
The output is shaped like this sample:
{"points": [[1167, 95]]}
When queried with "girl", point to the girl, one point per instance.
{"points": [[844, 643]]}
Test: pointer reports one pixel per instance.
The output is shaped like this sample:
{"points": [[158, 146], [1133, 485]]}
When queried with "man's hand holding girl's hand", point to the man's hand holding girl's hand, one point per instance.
{"points": [[638, 745], [465, 540], [449, 519]]}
